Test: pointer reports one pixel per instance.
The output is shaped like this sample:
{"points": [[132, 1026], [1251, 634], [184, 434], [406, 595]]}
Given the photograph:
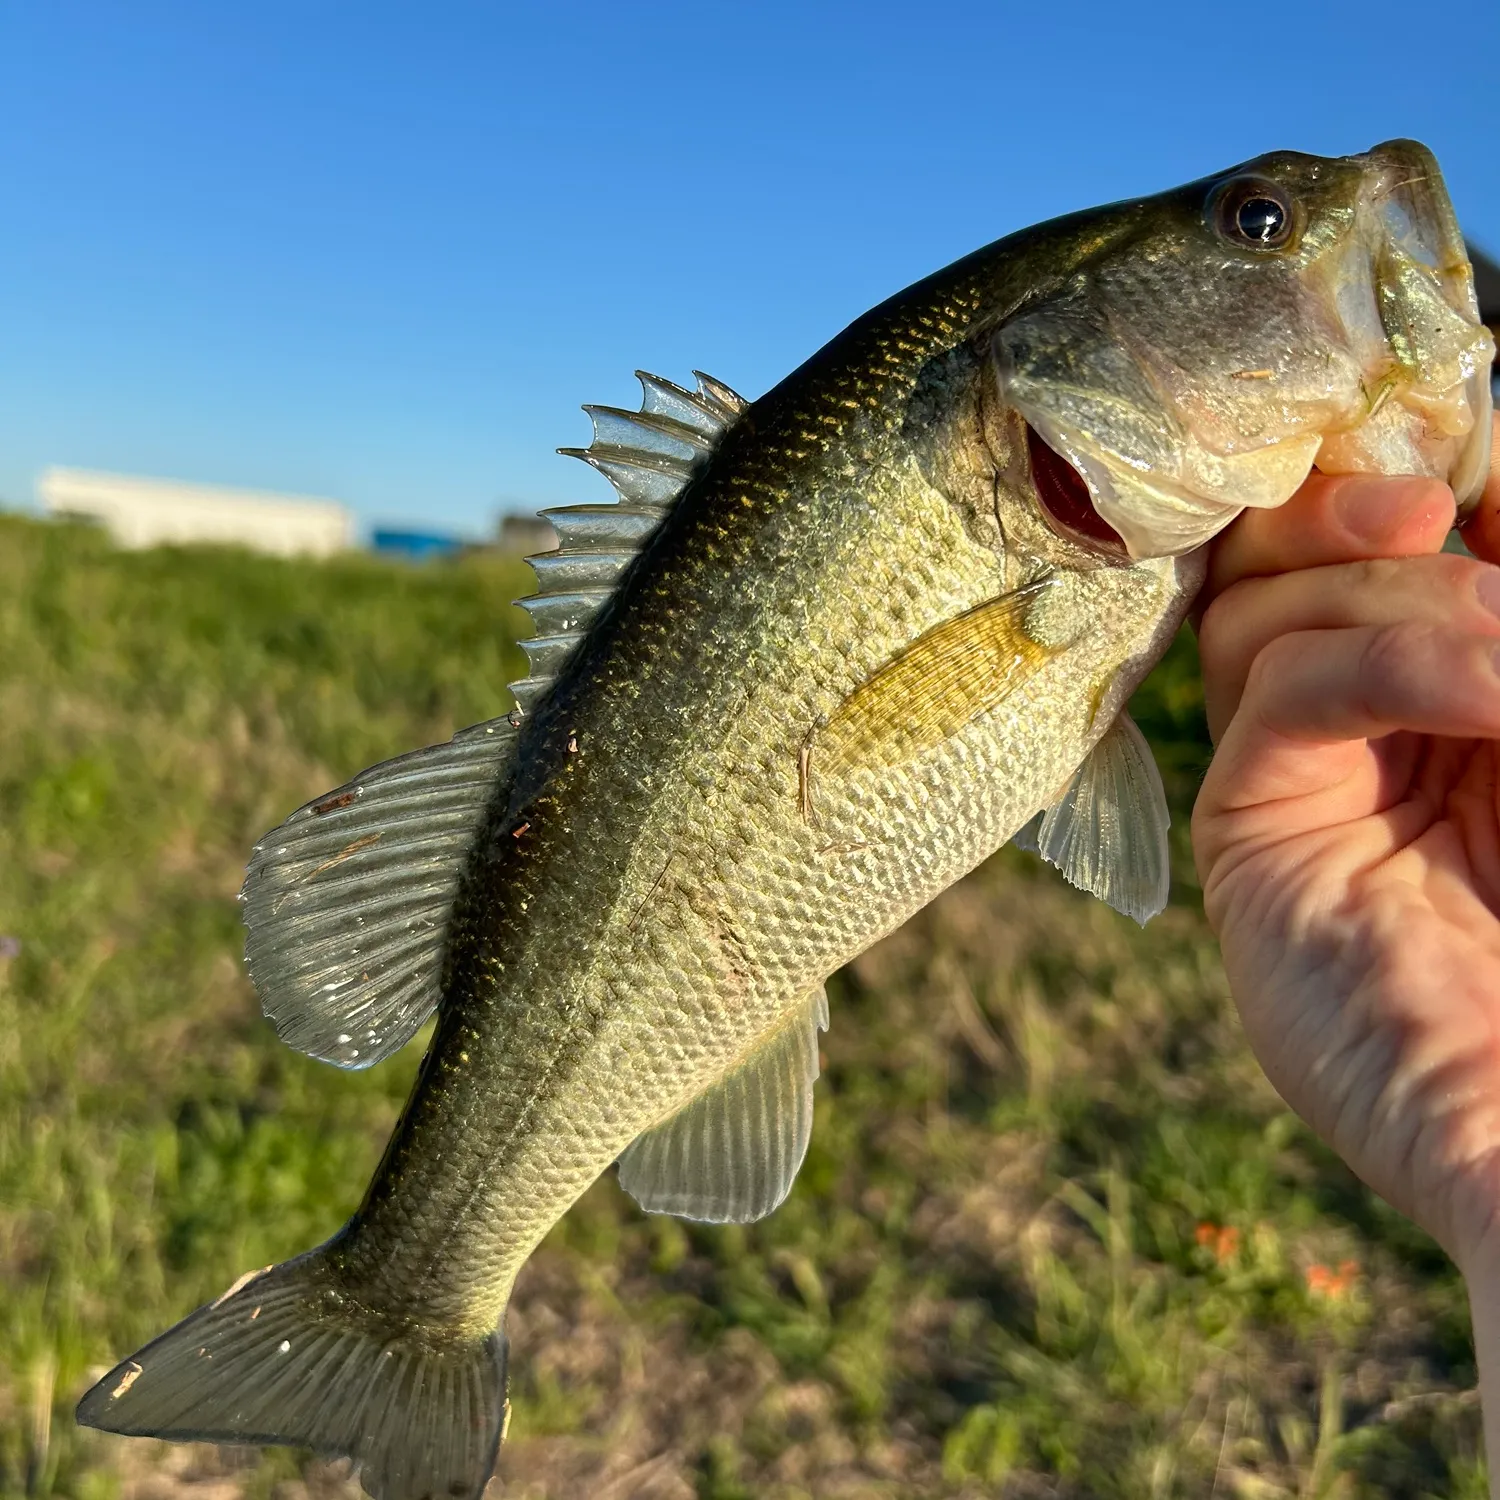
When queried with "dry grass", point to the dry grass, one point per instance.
{"points": [[1055, 1236]]}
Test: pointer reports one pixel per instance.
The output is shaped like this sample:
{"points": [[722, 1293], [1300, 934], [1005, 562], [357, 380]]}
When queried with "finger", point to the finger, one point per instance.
{"points": [[1333, 518], [1482, 530], [1332, 690], [1242, 622]]}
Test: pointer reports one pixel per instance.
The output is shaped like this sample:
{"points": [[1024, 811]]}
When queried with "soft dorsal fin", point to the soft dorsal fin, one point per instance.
{"points": [[650, 456], [347, 902], [731, 1155], [1108, 831]]}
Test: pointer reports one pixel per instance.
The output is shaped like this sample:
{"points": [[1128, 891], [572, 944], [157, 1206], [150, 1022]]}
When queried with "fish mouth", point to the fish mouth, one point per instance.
{"points": [[1405, 297], [1131, 511], [1066, 501], [1416, 215]]}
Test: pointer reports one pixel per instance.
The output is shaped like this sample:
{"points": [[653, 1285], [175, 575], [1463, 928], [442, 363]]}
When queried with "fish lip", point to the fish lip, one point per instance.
{"points": [[1471, 470], [1410, 200], [1407, 185]]}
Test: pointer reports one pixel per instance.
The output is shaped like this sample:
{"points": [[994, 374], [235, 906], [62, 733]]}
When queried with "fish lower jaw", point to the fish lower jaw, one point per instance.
{"points": [[1157, 512], [1165, 517], [1413, 430]]}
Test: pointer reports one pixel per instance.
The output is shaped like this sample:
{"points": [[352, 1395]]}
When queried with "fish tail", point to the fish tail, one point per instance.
{"points": [[288, 1356]]}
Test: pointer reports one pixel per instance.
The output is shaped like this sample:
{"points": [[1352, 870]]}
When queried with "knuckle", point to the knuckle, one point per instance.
{"points": [[1456, 575], [1380, 575], [1391, 652]]}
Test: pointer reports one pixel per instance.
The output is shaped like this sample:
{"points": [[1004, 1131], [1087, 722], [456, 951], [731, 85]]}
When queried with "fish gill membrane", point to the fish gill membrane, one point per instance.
{"points": [[910, 591]]}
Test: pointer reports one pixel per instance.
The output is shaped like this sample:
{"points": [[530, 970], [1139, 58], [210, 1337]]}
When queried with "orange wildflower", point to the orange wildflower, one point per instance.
{"points": [[1332, 1285], [1222, 1239]]}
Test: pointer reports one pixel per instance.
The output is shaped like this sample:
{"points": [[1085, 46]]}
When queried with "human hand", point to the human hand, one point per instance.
{"points": [[1348, 837]]}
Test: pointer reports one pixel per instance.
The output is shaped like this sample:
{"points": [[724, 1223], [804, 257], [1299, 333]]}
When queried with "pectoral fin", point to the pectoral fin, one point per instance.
{"points": [[948, 677], [1108, 833], [731, 1155]]}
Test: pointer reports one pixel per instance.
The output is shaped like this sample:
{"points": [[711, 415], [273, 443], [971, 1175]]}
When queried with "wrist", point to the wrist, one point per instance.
{"points": [[1484, 1309]]}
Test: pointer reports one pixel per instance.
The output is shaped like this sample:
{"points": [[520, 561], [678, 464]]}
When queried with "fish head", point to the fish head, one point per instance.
{"points": [[1205, 349]]}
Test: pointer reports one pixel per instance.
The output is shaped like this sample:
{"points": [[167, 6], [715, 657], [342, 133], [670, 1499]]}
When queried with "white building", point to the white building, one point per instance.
{"points": [[140, 512]]}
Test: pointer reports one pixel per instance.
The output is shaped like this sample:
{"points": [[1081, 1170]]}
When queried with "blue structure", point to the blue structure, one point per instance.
{"points": [[415, 546]]}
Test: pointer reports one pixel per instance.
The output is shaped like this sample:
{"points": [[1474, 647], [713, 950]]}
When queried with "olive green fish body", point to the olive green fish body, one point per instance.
{"points": [[641, 922]]}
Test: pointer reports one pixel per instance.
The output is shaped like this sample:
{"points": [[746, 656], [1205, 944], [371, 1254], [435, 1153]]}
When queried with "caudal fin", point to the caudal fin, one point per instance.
{"points": [[285, 1356]]}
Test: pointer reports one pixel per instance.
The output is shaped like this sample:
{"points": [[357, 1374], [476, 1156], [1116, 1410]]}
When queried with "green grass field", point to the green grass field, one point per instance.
{"points": [[1055, 1235]]}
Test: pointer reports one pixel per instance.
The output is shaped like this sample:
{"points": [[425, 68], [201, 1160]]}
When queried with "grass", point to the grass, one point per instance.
{"points": [[1055, 1235]]}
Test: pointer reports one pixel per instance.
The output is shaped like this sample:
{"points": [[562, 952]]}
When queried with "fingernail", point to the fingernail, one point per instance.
{"points": [[1487, 590], [1373, 509]]}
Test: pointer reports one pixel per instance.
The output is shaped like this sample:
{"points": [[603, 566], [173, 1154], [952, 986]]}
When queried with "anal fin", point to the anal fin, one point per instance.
{"points": [[731, 1155]]}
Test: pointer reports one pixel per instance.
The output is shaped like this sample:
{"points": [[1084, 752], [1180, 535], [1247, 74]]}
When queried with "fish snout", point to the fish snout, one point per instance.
{"points": [[1407, 192], [1411, 316]]}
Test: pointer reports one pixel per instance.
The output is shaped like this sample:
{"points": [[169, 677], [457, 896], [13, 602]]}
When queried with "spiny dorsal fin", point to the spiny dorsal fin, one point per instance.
{"points": [[347, 902], [649, 456]]}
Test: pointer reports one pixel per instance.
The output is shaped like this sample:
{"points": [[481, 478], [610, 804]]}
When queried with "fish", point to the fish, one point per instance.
{"points": [[824, 653]]}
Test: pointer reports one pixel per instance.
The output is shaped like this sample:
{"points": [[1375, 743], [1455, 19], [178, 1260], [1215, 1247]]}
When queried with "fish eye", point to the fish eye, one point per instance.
{"points": [[1254, 213]]}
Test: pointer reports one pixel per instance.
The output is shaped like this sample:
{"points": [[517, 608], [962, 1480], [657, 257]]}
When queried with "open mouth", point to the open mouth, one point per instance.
{"points": [[1066, 501]]}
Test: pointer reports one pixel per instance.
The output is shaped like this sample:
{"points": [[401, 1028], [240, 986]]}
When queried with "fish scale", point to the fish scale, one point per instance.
{"points": [[829, 652]]}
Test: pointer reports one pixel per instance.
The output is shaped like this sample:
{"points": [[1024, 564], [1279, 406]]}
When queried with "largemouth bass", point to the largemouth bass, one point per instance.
{"points": [[828, 651]]}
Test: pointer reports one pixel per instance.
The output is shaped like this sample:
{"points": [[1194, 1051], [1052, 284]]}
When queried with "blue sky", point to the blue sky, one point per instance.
{"points": [[382, 252]]}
